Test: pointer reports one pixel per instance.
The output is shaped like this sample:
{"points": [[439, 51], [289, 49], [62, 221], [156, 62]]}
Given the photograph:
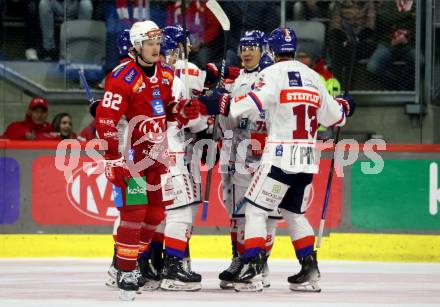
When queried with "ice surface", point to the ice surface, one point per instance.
{"points": [[80, 282]]}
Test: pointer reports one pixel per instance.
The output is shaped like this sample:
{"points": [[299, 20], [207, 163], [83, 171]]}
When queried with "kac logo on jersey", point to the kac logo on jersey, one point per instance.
{"points": [[156, 92], [157, 106], [262, 115], [294, 78], [130, 76], [279, 150]]}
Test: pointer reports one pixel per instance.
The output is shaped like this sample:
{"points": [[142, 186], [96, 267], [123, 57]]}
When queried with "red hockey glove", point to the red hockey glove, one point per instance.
{"points": [[117, 172], [213, 73], [187, 110]]}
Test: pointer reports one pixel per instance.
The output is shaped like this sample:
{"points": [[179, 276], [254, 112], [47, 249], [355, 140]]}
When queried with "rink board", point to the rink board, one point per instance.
{"points": [[390, 216]]}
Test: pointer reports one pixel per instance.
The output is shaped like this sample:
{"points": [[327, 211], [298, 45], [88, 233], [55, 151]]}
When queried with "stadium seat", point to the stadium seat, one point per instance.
{"points": [[82, 45]]}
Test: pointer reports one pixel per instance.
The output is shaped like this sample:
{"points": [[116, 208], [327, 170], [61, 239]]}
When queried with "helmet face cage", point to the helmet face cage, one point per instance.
{"points": [[252, 40], [282, 40], [144, 31], [175, 34]]}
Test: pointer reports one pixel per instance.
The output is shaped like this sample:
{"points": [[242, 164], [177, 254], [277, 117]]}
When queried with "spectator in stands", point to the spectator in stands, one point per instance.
{"points": [[308, 10], [204, 28], [63, 124], [393, 61], [361, 17], [34, 126], [68, 9], [32, 30]]}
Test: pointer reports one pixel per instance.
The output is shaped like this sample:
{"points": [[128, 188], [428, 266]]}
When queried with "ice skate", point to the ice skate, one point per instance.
{"points": [[266, 281], [187, 267], [228, 276], [176, 278], [307, 279], [150, 274], [127, 284], [250, 279], [111, 278]]}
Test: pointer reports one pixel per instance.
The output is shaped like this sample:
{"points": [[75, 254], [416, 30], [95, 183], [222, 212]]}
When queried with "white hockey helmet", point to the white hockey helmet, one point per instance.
{"points": [[144, 30]]}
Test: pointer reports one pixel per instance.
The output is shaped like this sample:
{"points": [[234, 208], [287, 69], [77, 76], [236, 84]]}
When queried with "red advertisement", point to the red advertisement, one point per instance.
{"points": [[87, 198]]}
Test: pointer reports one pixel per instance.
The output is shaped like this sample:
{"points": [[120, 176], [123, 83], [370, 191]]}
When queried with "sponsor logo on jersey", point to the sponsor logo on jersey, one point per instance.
{"points": [[294, 78], [262, 115], [243, 123], [156, 92], [153, 80], [136, 191], [130, 76], [154, 129], [276, 189], [158, 108], [279, 150], [117, 71], [165, 82], [139, 85], [130, 154], [300, 96]]}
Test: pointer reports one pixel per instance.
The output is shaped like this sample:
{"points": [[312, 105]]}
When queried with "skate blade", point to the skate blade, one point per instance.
{"points": [[111, 283], [175, 285], [254, 286], [226, 285], [126, 295], [151, 285], [309, 286], [266, 283]]}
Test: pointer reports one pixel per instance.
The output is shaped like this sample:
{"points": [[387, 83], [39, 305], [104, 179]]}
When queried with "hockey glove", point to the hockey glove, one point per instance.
{"points": [[213, 73], [117, 172], [187, 110], [93, 106], [216, 103], [347, 103]]}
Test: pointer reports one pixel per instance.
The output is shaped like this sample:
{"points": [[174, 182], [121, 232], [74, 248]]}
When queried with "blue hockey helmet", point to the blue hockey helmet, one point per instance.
{"points": [[173, 36], [253, 38], [265, 61], [282, 40], [124, 43]]}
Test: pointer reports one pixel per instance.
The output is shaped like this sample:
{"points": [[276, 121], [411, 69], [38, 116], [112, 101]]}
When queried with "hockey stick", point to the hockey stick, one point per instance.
{"points": [[347, 86], [218, 12], [185, 51], [83, 79]]}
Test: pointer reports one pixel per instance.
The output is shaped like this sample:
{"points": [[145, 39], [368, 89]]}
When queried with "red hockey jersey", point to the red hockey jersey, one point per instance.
{"points": [[130, 93]]}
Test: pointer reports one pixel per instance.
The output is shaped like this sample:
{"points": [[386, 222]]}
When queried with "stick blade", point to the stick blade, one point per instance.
{"points": [[218, 12]]}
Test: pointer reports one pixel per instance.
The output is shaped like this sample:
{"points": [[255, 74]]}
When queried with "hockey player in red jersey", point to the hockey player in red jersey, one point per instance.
{"points": [[140, 90]]}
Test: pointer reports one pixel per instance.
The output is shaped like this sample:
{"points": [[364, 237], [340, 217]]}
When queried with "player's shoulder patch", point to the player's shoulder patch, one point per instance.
{"points": [[130, 75], [167, 73]]}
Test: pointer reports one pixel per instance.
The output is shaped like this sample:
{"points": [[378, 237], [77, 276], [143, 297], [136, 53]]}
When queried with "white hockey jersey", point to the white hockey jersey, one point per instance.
{"points": [[196, 81], [243, 160], [295, 101]]}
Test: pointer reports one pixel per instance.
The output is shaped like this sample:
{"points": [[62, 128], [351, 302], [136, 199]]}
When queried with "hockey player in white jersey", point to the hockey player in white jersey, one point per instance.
{"points": [[295, 101], [238, 165], [177, 274]]}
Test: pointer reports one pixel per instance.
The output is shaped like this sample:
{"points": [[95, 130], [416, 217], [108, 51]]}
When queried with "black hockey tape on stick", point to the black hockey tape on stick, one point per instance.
{"points": [[352, 40], [220, 15]]}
